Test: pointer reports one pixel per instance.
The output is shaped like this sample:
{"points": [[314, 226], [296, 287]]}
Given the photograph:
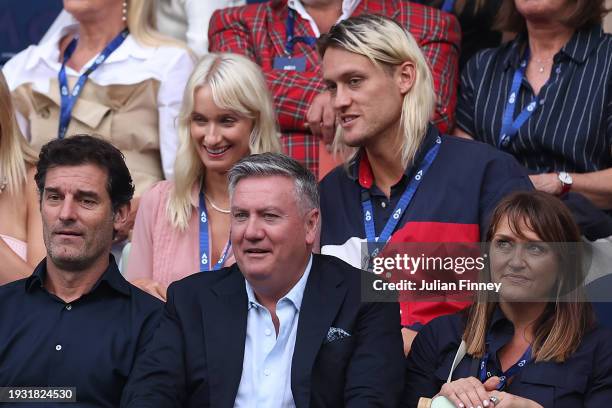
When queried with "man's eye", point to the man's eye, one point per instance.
{"points": [[240, 215], [353, 82], [331, 88], [270, 216], [53, 197]]}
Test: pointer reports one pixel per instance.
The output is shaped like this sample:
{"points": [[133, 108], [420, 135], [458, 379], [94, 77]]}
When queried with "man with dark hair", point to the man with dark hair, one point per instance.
{"points": [[75, 322], [282, 327]]}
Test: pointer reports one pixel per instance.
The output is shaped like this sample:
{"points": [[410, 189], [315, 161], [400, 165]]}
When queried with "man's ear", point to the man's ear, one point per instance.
{"points": [[312, 225], [121, 215], [406, 76]]}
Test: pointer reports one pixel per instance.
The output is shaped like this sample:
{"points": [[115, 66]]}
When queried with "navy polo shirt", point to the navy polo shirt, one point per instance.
{"points": [[583, 380], [452, 204], [571, 128], [90, 344]]}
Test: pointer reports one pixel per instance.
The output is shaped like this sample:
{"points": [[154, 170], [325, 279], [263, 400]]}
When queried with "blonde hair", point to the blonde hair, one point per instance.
{"points": [[15, 153], [387, 44], [237, 84], [142, 25]]}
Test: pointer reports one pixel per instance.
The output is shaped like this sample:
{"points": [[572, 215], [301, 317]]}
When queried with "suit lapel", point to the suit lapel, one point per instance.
{"points": [[225, 334], [323, 296]]}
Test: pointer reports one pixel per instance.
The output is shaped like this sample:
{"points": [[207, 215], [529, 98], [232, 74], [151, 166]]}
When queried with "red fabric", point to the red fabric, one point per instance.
{"points": [[258, 31], [422, 312]]}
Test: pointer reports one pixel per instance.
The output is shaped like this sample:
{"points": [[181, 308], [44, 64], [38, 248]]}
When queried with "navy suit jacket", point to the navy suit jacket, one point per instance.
{"points": [[197, 352]]}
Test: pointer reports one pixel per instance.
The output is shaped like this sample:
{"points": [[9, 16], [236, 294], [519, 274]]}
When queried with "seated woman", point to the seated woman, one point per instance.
{"points": [[183, 226], [546, 97], [535, 343], [109, 74], [21, 244]]}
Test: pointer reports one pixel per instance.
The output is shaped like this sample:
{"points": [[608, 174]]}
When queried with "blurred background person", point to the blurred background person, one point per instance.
{"points": [[536, 342], [21, 243], [183, 225], [546, 97], [476, 18], [187, 20], [110, 74]]}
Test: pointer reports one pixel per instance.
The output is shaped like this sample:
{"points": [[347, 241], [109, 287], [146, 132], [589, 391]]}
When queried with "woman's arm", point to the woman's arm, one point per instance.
{"points": [[596, 186]]}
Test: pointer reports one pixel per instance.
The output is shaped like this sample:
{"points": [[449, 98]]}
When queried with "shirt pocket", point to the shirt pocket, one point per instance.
{"points": [[552, 385]]}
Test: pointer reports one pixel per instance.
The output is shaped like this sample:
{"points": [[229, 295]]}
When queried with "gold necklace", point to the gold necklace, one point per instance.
{"points": [[541, 62], [221, 210]]}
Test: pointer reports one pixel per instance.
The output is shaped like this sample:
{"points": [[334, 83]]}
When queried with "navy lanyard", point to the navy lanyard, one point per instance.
{"points": [[512, 371], [68, 97], [204, 241], [290, 31], [448, 6], [511, 126], [402, 205]]}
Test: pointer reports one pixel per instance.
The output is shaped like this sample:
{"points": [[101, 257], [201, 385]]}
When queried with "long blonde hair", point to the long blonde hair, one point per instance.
{"points": [[15, 153], [386, 43], [237, 84], [141, 22]]}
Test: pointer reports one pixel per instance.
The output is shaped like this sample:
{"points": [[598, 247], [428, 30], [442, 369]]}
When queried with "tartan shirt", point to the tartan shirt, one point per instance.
{"points": [[258, 31]]}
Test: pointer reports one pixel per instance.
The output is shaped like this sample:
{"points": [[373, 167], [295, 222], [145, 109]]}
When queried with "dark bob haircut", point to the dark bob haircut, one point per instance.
{"points": [[85, 149], [584, 13]]}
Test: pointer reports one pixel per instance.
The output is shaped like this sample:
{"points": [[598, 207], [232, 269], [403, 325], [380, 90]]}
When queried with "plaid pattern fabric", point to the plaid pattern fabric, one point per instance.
{"points": [[258, 31]]}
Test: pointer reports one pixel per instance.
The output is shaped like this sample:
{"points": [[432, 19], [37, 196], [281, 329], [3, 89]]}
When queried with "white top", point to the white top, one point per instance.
{"points": [[348, 6], [188, 20], [131, 63], [266, 368]]}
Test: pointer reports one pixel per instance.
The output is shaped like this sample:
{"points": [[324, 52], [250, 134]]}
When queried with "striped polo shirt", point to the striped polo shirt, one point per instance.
{"points": [[452, 204], [571, 127]]}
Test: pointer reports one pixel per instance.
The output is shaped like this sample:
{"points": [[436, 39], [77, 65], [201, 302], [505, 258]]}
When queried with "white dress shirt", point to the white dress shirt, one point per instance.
{"points": [[266, 369], [348, 6]]}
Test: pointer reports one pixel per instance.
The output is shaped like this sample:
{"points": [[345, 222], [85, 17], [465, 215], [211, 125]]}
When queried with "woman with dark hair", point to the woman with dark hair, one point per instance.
{"points": [[533, 344], [546, 97]]}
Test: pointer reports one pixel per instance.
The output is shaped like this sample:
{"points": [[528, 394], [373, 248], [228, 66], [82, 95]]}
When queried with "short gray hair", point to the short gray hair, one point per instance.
{"points": [[276, 164]]}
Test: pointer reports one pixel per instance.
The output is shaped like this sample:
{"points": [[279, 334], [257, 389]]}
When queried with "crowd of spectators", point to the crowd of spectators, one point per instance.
{"points": [[429, 121]]}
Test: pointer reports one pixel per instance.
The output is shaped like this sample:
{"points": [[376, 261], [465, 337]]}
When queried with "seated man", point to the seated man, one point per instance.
{"points": [[419, 186], [75, 322], [280, 36], [280, 328]]}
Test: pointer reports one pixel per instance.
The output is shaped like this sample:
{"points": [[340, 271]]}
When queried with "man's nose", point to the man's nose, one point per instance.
{"points": [[253, 230], [341, 99], [68, 209]]}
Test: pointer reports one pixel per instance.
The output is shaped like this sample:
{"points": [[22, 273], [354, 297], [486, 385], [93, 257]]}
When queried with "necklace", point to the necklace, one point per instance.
{"points": [[221, 210], [3, 184], [541, 63]]}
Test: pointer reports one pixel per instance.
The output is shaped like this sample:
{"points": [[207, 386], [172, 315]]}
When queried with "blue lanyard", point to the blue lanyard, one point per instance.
{"points": [[204, 240], [402, 205], [289, 32], [512, 371], [511, 126], [448, 6], [68, 97]]}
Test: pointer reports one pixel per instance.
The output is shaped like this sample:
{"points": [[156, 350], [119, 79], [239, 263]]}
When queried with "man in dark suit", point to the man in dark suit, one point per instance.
{"points": [[215, 345]]}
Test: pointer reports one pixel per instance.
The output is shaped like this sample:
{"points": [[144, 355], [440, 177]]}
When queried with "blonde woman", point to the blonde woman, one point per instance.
{"points": [[183, 226], [109, 74], [21, 244]]}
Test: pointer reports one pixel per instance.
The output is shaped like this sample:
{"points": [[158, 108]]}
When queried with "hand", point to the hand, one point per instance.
{"points": [[506, 400], [469, 392], [152, 287], [547, 182], [408, 337], [321, 118], [122, 233]]}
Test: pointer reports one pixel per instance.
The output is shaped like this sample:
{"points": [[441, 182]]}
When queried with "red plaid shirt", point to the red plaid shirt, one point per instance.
{"points": [[258, 31]]}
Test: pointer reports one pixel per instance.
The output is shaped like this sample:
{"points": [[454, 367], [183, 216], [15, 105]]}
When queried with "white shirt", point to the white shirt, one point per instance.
{"points": [[348, 6], [131, 63], [266, 369]]}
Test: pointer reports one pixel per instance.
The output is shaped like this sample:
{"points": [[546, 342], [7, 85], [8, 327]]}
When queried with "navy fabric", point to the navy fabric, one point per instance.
{"points": [[90, 344], [571, 128], [584, 380]]}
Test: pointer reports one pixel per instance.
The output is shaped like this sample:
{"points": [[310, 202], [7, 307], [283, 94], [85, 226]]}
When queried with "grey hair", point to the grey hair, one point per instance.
{"points": [[276, 164]]}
